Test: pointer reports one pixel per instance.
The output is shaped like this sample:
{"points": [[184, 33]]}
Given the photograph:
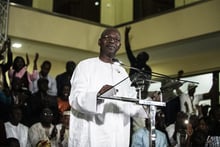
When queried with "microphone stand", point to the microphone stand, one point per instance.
{"points": [[155, 74], [100, 94]]}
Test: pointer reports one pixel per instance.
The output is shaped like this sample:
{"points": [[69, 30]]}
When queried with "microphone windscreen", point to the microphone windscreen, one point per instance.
{"points": [[115, 60]]}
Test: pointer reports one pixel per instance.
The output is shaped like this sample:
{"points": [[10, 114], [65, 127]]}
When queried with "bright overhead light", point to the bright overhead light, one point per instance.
{"points": [[17, 45], [96, 3]]}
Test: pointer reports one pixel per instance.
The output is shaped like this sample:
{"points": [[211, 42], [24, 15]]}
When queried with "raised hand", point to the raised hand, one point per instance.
{"points": [[35, 61], [36, 57], [27, 60]]}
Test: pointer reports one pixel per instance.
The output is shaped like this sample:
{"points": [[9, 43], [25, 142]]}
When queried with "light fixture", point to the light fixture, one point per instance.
{"points": [[96, 3], [17, 45]]}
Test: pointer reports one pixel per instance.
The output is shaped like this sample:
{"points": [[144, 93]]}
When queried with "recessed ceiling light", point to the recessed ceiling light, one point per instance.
{"points": [[96, 3], [17, 45]]}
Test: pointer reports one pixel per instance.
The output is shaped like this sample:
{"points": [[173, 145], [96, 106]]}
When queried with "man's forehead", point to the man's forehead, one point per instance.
{"points": [[110, 31]]}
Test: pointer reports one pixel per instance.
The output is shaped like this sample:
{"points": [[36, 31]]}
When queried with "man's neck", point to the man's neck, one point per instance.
{"points": [[41, 76], [45, 125], [14, 123], [105, 59]]}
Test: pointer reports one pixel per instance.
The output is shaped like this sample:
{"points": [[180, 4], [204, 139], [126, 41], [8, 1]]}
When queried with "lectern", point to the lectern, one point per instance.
{"points": [[151, 109]]}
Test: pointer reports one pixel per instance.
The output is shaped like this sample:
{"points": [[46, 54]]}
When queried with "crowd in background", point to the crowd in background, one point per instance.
{"points": [[186, 121], [35, 108], [34, 105]]}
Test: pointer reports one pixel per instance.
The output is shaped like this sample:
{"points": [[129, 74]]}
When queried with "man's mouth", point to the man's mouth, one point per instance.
{"points": [[112, 47]]}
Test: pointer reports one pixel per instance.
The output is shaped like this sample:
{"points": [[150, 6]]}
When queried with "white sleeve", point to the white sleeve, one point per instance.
{"points": [[81, 99]]}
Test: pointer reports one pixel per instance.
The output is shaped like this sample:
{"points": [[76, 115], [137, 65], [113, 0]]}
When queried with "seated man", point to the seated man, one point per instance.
{"points": [[44, 132], [14, 129], [141, 137], [63, 129]]}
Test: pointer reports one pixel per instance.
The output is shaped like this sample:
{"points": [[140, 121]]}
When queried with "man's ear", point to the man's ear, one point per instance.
{"points": [[119, 46]]}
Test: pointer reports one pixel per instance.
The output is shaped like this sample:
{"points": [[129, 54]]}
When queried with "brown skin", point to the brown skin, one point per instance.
{"points": [[110, 43]]}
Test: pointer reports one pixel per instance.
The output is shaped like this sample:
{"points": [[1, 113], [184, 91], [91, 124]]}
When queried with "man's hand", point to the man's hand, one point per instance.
{"points": [[53, 133], [43, 143], [36, 57], [106, 91], [127, 29], [27, 60]]}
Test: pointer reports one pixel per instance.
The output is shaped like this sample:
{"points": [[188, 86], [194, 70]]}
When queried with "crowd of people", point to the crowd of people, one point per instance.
{"points": [[34, 106], [73, 109], [184, 122]]}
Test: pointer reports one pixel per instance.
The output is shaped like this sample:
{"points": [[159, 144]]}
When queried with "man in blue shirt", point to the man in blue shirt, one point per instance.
{"points": [[141, 137]]}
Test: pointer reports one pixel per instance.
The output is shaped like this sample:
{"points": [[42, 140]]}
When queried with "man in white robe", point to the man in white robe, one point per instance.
{"points": [[96, 123]]}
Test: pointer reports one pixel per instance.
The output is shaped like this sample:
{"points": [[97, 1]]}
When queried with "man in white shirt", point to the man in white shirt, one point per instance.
{"points": [[44, 73], [44, 132], [14, 129]]}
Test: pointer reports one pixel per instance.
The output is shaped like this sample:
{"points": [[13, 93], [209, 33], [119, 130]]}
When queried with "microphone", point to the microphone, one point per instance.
{"points": [[115, 60], [141, 72], [118, 62], [155, 74]]}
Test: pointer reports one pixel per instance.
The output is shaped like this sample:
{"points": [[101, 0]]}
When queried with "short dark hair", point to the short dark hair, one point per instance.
{"points": [[46, 62]]}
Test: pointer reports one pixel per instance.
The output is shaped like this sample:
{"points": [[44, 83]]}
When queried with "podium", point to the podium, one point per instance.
{"points": [[151, 109]]}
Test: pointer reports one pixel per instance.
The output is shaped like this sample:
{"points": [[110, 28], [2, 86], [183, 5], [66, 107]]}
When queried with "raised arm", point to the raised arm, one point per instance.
{"points": [[35, 61], [129, 52], [34, 74], [8, 64], [3, 49], [27, 60]]}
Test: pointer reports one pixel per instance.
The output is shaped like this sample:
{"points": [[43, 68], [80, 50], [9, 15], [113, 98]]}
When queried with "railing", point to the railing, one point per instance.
{"points": [[4, 5], [141, 11]]}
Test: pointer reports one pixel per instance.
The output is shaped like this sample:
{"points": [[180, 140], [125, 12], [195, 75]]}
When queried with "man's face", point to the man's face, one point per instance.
{"points": [[17, 115], [47, 116], [45, 69], [20, 63], [66, 91], [70, 67], [110, 43]]}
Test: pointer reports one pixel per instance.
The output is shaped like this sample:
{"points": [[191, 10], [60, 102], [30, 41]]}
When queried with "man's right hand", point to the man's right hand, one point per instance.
{"points": [[106, 91]]}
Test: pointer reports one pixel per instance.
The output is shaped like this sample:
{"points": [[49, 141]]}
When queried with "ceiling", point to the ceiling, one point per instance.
{"points": [[190, 47]]}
